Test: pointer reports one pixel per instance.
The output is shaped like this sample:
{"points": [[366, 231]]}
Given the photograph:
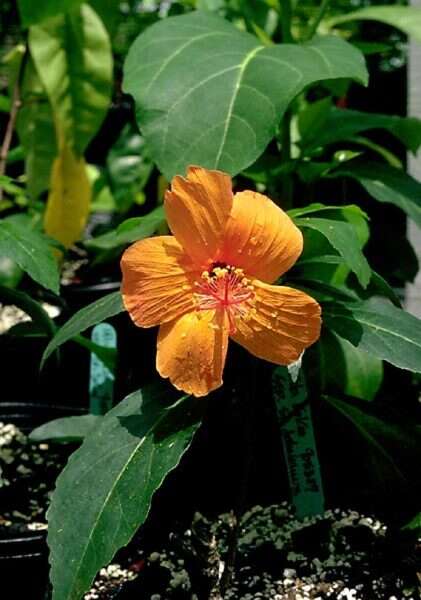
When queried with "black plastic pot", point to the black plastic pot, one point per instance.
{"points": [[24, 556], [79, 295]]}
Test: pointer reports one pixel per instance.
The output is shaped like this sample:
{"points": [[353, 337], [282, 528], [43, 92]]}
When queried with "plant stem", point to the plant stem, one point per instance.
{"points": [[16, 104], [286, 181], [317, 19], [236, 515], [286, 18]]}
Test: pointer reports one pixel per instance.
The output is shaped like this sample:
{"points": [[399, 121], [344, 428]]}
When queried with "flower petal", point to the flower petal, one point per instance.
{"points": [[192, 351], [286, 321], [157, 281], [260, 237], [197, 210]]}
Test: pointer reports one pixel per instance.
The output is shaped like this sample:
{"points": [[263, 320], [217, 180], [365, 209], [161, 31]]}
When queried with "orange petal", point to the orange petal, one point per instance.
{"points": [[285, 323], [197, 210], [192, 351], [157, 281], [260, 237]]}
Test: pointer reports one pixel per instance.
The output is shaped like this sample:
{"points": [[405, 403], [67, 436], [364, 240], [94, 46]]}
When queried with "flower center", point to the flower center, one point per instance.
{"points": [[224, 287]]}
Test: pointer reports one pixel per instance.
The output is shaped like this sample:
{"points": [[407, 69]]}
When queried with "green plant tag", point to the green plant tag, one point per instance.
{"points": [[101, 381], [298, 441]]}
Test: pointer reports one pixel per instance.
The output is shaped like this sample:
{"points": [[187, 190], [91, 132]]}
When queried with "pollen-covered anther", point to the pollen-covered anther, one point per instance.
{"points": [[225, 288]]}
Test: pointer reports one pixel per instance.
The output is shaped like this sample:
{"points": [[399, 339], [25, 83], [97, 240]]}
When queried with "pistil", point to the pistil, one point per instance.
{"points": [[225, 288]]}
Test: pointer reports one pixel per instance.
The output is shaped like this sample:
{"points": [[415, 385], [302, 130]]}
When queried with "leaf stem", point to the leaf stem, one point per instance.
{"points": [[286, 18], [317, 20], [29, 306], [16, 104], [247, 418]]}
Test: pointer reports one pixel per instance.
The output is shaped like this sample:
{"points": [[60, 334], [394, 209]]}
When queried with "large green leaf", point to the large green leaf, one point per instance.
{"points": [[66, 429], [405, 18], [129, 231], [336, 124], [31, 250], [343, 238], [386, 184], [35, 128], [72, 55], [88, 316], [108, 484], [209, 94], [378, 328], [348, 369], [34, 12]]}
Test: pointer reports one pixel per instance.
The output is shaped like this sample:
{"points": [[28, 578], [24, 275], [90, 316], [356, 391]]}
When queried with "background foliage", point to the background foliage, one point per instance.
{"points": [[102, 102]]}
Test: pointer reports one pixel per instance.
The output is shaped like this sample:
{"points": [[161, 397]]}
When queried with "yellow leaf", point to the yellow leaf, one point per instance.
{"points": [[69, 198]]}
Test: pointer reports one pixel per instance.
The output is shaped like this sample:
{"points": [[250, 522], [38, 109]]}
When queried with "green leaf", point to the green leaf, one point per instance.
{"points": [[5, 104], [372, 47], [32, 252], [107, 355], [385, 154], [34, 12], [386, 184], [196, 81], [351, 213], [10, 272], [8, 186], [378, 286], [343, 238], [88, 316], [109, 11], [376, 433], [336, 124], [108, 484], [129, 231], [309, 268], [79, 85], [32, 308], [35, 127], [16, 154], [317, 207], [378, 328], [348, 369], [129, 167], [405, 18], [66, 429], [414, 524], [323, 291]]}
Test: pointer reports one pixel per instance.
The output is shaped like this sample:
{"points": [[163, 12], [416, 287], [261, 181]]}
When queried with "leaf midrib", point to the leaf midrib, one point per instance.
{"points": [[377, 327], [113, 488], [242, 68]]}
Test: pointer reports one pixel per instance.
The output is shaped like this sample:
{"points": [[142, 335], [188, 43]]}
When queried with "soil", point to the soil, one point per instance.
{"points": [[341, 555], [27, 477]]}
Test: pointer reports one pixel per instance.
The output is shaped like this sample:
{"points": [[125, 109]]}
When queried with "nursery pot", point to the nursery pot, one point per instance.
{"points": [[24, 555], [20, 355], [79, 295]]}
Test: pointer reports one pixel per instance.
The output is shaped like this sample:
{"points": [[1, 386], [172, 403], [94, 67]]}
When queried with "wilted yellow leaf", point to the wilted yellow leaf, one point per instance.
{"points": [[69, 198]]}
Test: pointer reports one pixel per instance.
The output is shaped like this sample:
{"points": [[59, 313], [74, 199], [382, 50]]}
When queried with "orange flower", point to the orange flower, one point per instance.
{"points": [[211, 281]]}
